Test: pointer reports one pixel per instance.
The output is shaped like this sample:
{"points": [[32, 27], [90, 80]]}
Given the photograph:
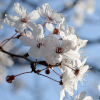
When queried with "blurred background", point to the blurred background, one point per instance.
{"points": [[84, 15]]}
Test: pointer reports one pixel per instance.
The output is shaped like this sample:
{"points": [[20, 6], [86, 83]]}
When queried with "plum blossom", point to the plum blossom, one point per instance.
{"points": [[50, 15], [37, 42], [78, 72], [24, 19]]}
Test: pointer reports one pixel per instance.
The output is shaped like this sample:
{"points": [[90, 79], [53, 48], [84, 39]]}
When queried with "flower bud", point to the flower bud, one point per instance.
{"points": [[10, 79], [47, 71]]}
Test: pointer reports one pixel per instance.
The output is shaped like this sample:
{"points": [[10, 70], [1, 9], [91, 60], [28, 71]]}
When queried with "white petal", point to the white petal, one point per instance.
{"points": [[31, 25], [62, 94], [71, 30], [9, 22], [73, 55], [88, 98], [58, 18], [27, 41], [18, 9], [12, 18], [75, 85], [50, 27], [78, 63], [38, 32], [35, 52], [82, 42], [84, 61], [84, 69], [33, 15], [20, 26], [80, 96], [69, 89], [57, 58]]}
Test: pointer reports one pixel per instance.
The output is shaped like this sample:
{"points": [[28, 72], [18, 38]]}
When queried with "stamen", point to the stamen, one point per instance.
{"points": [[24, 20], [39, 44], [59, 50]]}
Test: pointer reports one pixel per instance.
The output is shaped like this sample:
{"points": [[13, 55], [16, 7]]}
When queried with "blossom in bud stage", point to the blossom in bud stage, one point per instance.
{"points": [[47, 71], [10, 79], [23, 21], [51, 16]]}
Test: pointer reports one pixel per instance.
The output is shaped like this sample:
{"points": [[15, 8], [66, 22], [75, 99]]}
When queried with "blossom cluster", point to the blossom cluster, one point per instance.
{"points": [[59, 46]]}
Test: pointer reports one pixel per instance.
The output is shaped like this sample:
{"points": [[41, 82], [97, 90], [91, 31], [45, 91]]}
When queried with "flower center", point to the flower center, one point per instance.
{"points": [[59, 50], [39, 44], [56, 31], [76, 72], [24, 20]]}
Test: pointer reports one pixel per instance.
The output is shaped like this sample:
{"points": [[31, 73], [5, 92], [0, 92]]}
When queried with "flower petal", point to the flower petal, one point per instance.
{"points": [[62, 94], [35, 52], [27, 41], [88, 98], [50, 27], [18, 9], [83, 69], [12, 18], [9, 22], [33, 15], [80, 96]]}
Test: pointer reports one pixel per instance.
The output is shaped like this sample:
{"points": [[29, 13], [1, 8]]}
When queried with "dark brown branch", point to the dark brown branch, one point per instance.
{"points": [[25, 57], [20, 56]]}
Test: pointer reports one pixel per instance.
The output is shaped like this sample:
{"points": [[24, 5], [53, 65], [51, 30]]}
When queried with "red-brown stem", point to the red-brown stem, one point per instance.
{"points": [[56, 72], [49, 77], [69, 67], [44, 24], [22, 73], [7, 40]]}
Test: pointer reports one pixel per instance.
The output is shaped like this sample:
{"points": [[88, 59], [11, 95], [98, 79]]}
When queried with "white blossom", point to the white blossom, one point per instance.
{"points": [[49, 14], [79, 71], [24, 19], [37, 42]]}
